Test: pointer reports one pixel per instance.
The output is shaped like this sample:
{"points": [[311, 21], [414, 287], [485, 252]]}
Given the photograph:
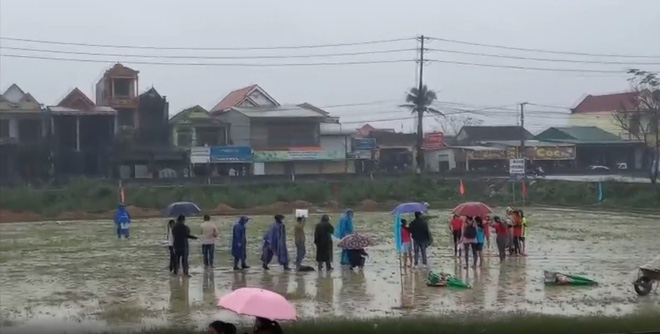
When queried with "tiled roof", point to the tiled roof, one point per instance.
{"points": [[607, 103], [286, 111], [232, 99], [579, 134]]}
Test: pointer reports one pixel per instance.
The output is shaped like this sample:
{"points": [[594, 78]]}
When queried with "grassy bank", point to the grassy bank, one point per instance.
{"points": [[470, 325], [94, 196]]}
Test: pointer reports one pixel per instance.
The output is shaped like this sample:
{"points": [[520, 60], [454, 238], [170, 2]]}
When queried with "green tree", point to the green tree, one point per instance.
{"points": [[419, 101]]}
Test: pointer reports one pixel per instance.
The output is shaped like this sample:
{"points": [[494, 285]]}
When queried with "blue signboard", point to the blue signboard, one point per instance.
{"points": [[364, 144], [231, 154]]}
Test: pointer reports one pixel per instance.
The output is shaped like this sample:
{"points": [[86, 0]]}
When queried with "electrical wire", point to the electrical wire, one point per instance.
{"points": [[151, 47], [544, 59], [542, 50], [208, 57], [529, 68]]}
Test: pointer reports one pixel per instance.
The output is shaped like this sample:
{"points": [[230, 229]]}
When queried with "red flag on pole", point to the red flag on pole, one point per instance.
{"points": [[461, 188], [121, 193], [524, 189]]}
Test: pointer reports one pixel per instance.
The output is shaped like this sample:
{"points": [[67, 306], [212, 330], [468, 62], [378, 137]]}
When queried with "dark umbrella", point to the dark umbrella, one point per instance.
{"points": [[182, 208]]}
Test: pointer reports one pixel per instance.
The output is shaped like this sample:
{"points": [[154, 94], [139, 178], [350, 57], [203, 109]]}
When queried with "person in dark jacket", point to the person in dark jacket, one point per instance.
{"points": [[180, 236], [323, 241], [421, 235]]}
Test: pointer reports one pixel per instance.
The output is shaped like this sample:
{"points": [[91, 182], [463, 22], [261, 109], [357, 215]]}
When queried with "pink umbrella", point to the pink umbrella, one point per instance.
{"points": [[257, 302]]}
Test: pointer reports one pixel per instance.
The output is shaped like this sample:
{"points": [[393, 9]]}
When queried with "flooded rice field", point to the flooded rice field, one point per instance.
{"points": [[78, 275]]}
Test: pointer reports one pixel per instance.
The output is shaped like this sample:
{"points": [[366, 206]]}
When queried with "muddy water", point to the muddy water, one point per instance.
{"points": [[78, 275]]}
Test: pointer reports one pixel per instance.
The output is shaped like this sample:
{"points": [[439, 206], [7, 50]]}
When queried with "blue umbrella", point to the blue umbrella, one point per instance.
{"points": [[182, 208], [410, 207]]}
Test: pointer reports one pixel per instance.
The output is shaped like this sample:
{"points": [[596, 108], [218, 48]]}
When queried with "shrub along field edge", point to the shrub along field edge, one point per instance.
{"points": [[96, 196]]}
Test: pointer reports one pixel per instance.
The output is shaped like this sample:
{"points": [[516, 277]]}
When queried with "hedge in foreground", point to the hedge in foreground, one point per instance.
{"points": [[466, 324]]}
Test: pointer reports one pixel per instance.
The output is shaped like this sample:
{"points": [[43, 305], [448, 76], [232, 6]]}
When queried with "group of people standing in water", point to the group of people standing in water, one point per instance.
{"points": [[274, 243], [472, 234]]}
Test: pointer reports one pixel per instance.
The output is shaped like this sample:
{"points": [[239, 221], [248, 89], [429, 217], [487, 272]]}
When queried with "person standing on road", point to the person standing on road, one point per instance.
{"points": [[239, 243], [275, 244], [323, 241], [299, 240], [209, 234], [501, 236], [122, 220], [345, 228], [180, 236], [421, 236]]}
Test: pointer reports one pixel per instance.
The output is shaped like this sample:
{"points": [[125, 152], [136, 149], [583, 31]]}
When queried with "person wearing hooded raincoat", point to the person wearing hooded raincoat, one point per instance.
{"points": [[275, 244], [122, 220], [344, 228], [323, 241], [239, 243]]}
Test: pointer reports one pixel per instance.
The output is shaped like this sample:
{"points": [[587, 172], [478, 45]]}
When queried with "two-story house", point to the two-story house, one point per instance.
{"points": [[207, 140], [118, 88], [82, 136], [286, 139], [23, 130]]}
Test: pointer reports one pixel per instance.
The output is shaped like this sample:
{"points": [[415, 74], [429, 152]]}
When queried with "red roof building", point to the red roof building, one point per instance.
{"points": [[246, 97]]}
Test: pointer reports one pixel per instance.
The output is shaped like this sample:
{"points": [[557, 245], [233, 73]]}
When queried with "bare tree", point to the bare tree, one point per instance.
{"points": [[640, 118], [451, 125]]}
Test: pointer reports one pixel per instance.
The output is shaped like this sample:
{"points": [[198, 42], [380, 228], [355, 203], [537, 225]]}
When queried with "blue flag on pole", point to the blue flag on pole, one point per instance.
{"points": [[397, 232], [600, 191]]}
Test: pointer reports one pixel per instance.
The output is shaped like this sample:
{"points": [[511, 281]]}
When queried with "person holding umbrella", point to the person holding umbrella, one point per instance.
{"points": [[180, 236], [275, 244]]}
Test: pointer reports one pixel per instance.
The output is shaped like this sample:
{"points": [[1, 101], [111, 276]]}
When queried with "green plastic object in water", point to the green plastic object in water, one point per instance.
{"points": [[555, 278], [442, 280]]}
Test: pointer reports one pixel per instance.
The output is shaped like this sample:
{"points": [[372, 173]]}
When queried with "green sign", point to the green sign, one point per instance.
{"points": [[273, 156]]}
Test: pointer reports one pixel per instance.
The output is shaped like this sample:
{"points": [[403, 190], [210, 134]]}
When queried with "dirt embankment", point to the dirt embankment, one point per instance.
{"points": [[7, 216]]}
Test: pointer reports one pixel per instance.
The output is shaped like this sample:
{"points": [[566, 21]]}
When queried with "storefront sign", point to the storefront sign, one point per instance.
{"points": [[551, 153], [487, 155], [231, 154], [362, 155], [433, 141], [517, 166], [200, 155], [364, 144], [293, 155]]}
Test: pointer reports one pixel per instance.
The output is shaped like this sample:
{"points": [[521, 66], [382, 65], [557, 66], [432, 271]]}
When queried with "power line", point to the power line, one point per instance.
{"points": [[311, 46], [542, 50], [212, 64], [207, 57], [546, 69], [544, 59]]}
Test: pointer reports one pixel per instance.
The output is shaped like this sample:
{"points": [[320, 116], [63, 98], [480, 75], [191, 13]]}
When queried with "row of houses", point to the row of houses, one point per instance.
{"points": [[126, 134]]}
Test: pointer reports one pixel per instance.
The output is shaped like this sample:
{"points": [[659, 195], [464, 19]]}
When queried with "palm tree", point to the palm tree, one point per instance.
{"points": [[419, 102]]}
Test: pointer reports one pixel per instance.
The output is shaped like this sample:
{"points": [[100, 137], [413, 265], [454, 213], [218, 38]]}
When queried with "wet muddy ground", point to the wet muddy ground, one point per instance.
{"points": [[78, 275]]}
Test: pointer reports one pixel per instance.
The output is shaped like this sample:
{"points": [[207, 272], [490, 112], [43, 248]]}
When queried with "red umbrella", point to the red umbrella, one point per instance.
{"points": [[472, 209]]}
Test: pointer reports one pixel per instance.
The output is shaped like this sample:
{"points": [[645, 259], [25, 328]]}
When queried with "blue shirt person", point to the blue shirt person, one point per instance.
{"points": [[344, 228], [122, 220]]}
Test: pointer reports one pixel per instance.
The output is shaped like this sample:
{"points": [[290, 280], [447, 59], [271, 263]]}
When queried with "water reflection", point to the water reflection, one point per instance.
{"points": [[180, 295], [208, 288]]}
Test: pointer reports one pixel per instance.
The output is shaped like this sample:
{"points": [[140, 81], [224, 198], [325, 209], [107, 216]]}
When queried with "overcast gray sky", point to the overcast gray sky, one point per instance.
{"points": [[594, 26]]}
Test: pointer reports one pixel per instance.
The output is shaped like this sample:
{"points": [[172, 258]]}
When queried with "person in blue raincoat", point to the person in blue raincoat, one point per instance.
{"points": [[239, 243], [275, 244], [344, 228], [122, 220]]}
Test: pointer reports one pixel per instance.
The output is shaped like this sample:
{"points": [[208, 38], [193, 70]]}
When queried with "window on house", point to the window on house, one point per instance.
{"points": [[293, 135], [210, 136], [29, 131], [184, 137], [4, 128], [125, 117], [122, 87]]}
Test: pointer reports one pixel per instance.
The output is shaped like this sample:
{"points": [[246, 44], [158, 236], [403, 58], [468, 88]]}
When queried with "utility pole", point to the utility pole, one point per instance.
{"points": [[420, 111], [521, 153]]}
